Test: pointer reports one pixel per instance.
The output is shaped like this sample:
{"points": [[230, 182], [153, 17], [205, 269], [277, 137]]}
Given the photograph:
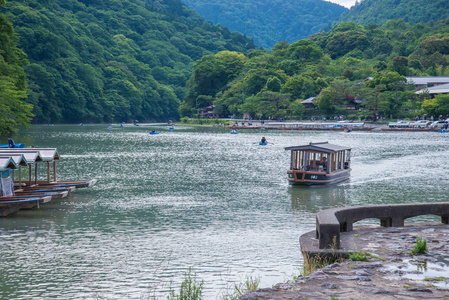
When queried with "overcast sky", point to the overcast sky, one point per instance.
{"points": [[346, 3]]}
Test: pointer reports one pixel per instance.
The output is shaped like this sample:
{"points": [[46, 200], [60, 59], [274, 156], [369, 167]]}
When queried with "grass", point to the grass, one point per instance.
{"points": [[359, 256], [191, 288], [313, 263], [251, 284], [440, 278], [420, 247]]}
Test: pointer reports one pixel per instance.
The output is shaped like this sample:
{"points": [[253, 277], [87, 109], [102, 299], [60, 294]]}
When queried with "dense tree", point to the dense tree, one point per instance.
{"points": [[368, 58], [437, 106], [112, 60], [15, 113], [270, 21], [412, 11]]}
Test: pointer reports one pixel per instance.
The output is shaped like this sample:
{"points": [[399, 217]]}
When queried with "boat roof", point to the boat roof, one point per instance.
{"points": [[7, 163], [322, 147], [44, 154], [18, 159]]}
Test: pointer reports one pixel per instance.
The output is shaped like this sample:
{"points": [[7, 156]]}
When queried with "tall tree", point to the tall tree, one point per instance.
{"points": [[14, 111]]}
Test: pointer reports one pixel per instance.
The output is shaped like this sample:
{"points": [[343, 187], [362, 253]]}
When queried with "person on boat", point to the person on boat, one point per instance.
{"points": [[323, 162], [11, 143], [153, 131], [263, 140]]}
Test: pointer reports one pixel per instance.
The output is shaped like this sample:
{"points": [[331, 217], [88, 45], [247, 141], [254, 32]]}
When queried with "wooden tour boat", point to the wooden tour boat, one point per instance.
{"points": [[28, 194], [319, 164]]}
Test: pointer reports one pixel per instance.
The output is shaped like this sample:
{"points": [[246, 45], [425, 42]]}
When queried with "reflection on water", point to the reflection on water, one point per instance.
{"points": [[314, 199], [193, 197]]}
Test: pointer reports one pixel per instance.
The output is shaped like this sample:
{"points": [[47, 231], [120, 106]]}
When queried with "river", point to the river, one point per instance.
{"points": [[194, 197]]}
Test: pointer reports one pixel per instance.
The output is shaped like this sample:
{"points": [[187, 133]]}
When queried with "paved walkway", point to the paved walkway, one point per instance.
{"points": [[394, 274]]}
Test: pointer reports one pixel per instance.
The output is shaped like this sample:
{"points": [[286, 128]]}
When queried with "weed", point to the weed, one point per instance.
{"points": [[440, 278], [420, 247], [313, 263], [191, 288], [359, 256], [407, 286], [333, 298], [250, 285]]}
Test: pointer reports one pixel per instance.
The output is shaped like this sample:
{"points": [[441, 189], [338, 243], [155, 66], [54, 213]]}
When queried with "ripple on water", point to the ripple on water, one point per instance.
{"points": [[193, 197]]}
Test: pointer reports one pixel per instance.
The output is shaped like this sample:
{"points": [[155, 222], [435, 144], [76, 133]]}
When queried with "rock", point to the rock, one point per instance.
{"points": [[329, 285], [419, 289], [362, 273], [368, 266], [346, 277], [372, 290]]}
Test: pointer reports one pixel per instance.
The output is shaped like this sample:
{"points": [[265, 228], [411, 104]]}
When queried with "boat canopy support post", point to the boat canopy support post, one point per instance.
{"points": [[54, 170], [29, 174], [20, 177], [35, 173], [48, 172]]}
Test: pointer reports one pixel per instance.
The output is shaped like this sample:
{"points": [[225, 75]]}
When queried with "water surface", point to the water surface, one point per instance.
{"points": [[193, 197]]}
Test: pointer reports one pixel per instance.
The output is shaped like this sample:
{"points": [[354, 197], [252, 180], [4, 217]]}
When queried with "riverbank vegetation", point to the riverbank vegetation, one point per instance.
{"points": [[14, 111], [268, 21], [411, 11], [350, 62], [105, 61]]}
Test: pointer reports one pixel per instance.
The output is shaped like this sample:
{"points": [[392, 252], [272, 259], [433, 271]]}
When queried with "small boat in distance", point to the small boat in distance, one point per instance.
{"points": [[319, 164], [234, 131], [18, 145]]}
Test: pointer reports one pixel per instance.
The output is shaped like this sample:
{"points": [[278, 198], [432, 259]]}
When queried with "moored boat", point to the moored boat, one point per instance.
{"points": [[67, 183], [319, 164], [11, 205]]}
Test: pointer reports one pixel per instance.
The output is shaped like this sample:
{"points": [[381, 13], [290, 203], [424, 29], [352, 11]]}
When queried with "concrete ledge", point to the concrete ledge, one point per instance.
{"points": [[330, 222]]}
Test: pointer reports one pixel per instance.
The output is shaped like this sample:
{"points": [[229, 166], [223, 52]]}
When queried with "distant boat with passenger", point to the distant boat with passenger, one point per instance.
{"points": [[18, 145], [319, 164]]}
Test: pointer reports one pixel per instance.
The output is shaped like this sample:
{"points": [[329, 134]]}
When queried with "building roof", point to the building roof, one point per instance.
{"points": [[310, 100], [438, 89], [322, 147], [428, 80]]}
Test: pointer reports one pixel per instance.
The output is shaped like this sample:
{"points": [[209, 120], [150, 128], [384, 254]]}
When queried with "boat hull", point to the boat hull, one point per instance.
{"points": [[19, 145], [299, 177]]}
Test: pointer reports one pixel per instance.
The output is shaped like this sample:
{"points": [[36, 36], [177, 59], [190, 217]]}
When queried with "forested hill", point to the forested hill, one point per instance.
{"points": [[106, 60], [270, 21], [411, 11]]}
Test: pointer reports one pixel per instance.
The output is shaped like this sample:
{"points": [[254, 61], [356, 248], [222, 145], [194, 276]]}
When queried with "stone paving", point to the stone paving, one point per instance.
{"points": [[392, 272]]}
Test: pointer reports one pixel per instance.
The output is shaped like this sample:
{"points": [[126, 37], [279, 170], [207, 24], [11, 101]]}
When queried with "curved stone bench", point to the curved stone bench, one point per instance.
{"points": [[330, 222]]}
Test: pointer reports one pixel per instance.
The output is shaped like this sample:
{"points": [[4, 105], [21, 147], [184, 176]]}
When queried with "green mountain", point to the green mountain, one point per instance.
{"points": [[333, 65], [112, 60], [411, 11], [14, 111], [270, 21]]}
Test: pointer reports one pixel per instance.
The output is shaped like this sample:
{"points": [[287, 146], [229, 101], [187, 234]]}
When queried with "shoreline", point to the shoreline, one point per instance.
{"points": [[390, 272]]}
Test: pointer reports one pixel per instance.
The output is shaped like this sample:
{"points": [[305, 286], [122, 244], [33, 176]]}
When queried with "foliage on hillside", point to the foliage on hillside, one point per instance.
{"points": [[270, 21], [93, 60], [14, 111], [335, 63], [411, 11]]}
